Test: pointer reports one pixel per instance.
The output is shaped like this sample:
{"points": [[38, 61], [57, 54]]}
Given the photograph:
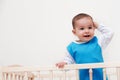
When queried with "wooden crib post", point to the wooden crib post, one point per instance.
{"points": [[51, 75], [64, 75], [90, 73], [104, 74], [1, 74], [13, 76], [118, 73], [77, 77], [38, 74], [26, 76]]}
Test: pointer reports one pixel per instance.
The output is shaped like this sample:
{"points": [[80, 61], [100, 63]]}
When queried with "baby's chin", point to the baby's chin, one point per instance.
{"points": [[83, 40], [88, 39]]}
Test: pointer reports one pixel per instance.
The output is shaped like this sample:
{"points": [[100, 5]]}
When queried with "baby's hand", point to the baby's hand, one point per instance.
{"points": [[61, 64], [96, 25]]}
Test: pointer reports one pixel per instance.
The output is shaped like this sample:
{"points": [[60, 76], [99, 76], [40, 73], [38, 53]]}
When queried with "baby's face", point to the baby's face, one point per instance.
{"points": [[84, 29]]}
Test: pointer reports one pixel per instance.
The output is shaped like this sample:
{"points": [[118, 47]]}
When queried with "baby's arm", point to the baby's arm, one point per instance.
{"points": [[67, 60], [106, 36], [61, 64]]}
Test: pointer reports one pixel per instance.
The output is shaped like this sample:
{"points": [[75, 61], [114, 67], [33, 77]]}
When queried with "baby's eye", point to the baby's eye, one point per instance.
{"points": [[89, 27], [81, 28]]}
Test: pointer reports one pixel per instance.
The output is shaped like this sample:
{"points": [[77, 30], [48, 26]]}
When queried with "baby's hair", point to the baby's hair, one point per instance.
{"points": [[79, 16]]}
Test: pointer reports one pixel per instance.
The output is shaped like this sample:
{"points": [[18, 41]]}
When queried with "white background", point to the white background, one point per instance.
{"points": [[36, 32]]}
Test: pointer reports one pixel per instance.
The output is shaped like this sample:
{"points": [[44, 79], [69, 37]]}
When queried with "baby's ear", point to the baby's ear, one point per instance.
{"points": [[73, 31], [95, 24]]}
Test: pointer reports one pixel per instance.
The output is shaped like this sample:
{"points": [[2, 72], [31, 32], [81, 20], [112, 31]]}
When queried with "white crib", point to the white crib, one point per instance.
{"points": [[69, 72]]}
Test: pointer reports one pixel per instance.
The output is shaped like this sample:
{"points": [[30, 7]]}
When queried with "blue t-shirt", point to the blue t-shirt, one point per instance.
{"points": [[89, 52]]}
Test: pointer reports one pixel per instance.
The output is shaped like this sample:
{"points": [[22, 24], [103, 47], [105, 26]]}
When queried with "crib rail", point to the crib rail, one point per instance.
{"points": [[69, 72]]}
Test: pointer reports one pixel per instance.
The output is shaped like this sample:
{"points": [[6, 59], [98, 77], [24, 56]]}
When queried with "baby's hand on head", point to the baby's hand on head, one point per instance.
{"points": [[96, 25]]}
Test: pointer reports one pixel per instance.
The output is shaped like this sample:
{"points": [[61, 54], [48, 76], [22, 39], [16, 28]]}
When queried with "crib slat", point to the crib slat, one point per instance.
{"points": [[64, 75], [38, 75], [13, 76], [5, 76], [104, 73], [118, 73], [9, 76], [1, 74], [77, 77], [16, 77], [26, 76], [90, 73], [51, 75]]}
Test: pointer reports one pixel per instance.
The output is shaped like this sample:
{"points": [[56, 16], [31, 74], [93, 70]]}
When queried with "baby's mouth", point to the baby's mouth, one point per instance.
{"points": [[86, 35]]}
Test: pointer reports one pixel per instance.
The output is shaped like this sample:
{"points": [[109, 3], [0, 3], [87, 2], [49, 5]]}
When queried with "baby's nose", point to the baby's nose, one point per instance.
{"points": [[86, 30]]}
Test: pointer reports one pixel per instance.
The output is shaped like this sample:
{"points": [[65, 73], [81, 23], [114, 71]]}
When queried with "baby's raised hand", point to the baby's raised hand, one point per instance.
{"points": [[96, 25]]}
